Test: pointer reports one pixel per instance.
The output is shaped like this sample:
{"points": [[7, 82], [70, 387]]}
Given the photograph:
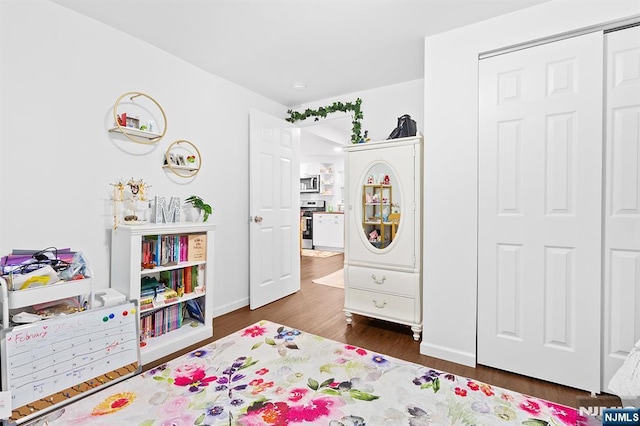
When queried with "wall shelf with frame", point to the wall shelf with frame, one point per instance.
{"points": [[138, 133], [183, 159], [135, 117]]}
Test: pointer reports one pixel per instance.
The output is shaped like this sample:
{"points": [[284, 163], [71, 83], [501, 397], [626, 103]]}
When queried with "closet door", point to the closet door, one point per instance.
{"points": [[622, 212], [539, 230]]}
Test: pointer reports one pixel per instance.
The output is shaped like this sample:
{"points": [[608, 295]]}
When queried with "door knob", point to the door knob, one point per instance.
{"points": [[257, 219]]}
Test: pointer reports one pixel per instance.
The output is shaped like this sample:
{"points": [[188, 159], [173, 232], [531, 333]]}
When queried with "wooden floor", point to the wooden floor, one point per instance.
{"points": [[318, 308]]}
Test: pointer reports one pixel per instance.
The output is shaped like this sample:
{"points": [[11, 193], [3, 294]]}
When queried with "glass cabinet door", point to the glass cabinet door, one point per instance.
{"points": [[380, 206]]}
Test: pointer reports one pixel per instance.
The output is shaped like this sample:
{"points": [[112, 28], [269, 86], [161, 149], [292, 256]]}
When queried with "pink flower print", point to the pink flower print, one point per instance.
{"points": [[460, 391], [567, 415], [262, 371], [195, 382], [263, 412], [256, 382], [187, 370], [507, 397], [486, 389], [297, 394], [181, 419], [358, 350], [473, 385], [259, 386], [310, 412], [530, 406], [254, 331], [174, 407]]}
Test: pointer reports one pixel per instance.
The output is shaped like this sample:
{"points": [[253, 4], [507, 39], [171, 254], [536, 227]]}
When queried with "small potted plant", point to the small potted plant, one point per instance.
{"points": [[199, 204]]}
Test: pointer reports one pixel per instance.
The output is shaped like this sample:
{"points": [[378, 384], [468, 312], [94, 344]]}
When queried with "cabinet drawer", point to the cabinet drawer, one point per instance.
{"points": [[401, 283], [381, 305]]}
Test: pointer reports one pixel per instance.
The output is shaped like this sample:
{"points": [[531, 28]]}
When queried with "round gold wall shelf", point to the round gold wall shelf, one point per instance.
{"points": [[137, 133], [183, 159]]}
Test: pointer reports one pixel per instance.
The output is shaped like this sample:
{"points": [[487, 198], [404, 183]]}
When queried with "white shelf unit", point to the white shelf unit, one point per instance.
{"points": [[14, 300], [327, 179], [126, 275], [136, 132]]}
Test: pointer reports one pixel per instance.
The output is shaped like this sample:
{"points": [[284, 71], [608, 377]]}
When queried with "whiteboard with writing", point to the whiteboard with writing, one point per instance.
{"points": [[52, 362]]}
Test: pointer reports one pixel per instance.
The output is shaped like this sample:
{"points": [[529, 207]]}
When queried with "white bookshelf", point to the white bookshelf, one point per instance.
{"points": [[127, 272]]}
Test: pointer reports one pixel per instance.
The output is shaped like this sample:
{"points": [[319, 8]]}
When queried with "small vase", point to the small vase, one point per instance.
{"points": [[192, 214]]}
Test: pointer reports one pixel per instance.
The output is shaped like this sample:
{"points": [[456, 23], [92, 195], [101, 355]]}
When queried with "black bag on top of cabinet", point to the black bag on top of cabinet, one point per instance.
{"points": [[406, 127]]}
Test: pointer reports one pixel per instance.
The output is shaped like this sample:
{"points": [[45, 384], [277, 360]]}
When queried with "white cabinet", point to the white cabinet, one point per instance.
{"points": [[383, 275], [328, 230], [180, 257]]}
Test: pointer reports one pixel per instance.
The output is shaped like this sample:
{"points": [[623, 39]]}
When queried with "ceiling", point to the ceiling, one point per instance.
{"points": [[334, 47]]}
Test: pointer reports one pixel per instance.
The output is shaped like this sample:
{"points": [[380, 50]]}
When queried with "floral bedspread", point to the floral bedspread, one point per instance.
{"points": [[269, 374]]}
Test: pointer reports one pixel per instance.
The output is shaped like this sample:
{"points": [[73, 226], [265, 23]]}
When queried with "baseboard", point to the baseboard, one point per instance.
{"points": [[323, 248], [448, 354], [230, 307]]}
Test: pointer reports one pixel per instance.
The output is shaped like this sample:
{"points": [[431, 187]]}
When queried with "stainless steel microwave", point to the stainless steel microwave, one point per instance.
{"points": [[310, 183]]}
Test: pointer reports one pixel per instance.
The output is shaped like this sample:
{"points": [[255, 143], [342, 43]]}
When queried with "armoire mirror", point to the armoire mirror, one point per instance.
{"points": [[380, 205]]}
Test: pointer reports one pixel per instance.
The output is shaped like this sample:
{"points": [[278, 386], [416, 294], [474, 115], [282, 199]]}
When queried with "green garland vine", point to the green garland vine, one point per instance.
{"points": [[354, 107]]}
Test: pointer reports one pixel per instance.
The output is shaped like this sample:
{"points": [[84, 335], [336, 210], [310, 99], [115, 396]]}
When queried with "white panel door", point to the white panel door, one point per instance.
{"points": [[539, 230], [622, 189], [274, 205]]}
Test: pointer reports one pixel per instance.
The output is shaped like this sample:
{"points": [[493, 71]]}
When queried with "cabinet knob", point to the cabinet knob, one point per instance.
{"points": [[379, 305], [378, 281]]}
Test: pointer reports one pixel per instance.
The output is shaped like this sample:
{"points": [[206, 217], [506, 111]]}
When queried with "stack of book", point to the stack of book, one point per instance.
{"points": [[161, 321], [161, 250]]}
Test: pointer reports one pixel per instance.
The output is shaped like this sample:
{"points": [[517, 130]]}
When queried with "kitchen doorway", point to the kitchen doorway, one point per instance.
{"points": [[321, 155]]}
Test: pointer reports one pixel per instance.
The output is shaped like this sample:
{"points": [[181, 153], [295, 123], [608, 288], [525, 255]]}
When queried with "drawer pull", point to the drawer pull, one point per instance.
{"points": [[378, 304], [378, 281]]}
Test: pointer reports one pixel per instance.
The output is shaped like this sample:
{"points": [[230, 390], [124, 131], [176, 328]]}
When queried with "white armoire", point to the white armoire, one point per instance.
{"points": [[383, 232]]}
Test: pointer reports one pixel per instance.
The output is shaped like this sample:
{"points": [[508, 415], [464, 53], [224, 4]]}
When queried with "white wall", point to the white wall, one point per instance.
{"points": [[61, 74], [382, 106], [450, 181]]}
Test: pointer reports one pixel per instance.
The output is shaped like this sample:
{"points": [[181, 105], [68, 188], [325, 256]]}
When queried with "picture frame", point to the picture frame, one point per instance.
{"points": [[132, 122]]}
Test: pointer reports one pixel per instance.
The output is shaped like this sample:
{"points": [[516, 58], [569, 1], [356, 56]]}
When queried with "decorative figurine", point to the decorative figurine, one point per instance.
{"points": [[133, 195]]}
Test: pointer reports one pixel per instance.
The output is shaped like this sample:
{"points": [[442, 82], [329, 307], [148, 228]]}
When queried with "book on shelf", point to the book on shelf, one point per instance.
{"points": [[173, 249], [195, 310], [170, 296], [183, 280], [197, 247], [161, 321]]}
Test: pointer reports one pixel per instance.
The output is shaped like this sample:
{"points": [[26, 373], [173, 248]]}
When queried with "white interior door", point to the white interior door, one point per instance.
{"points": [[622, 212], [274, 206], [539, 201]]}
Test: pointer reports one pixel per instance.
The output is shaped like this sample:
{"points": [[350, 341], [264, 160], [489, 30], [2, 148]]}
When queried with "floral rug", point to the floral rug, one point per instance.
{"points": [[269, 374]]}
